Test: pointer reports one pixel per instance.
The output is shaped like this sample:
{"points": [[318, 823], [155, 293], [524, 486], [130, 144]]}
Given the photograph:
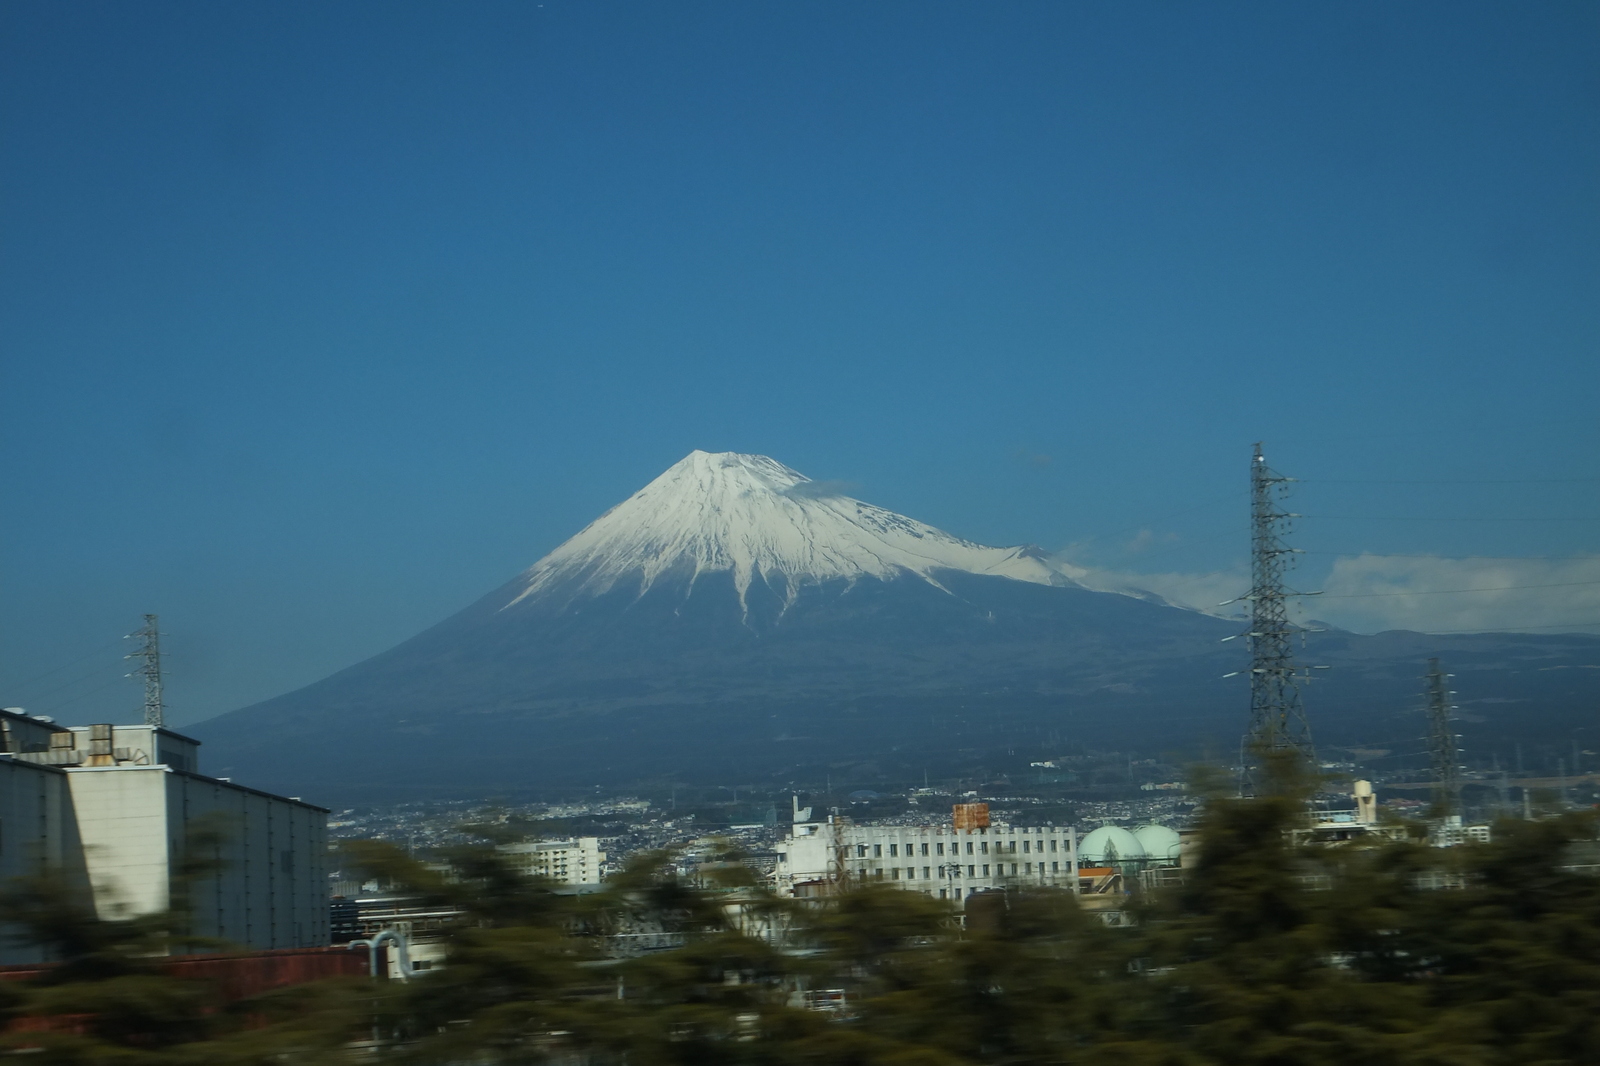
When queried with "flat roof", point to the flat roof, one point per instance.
{"points": [[166, 769], [56, 727]]}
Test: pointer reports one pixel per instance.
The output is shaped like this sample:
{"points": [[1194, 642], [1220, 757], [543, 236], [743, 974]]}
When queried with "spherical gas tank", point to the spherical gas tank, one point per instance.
{"points": [[1160, 843], [1109, 845]]}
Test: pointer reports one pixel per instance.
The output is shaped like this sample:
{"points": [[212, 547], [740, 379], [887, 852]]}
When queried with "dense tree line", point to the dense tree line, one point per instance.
{"points": [[1268, 953]]}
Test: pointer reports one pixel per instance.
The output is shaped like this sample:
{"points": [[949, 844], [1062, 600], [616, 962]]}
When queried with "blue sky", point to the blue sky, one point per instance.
{"points": [[320, 320]]}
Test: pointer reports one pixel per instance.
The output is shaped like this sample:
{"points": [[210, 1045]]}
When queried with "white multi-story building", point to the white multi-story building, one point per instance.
{"points": [[571, 862], [121, 813], [940, 860]]}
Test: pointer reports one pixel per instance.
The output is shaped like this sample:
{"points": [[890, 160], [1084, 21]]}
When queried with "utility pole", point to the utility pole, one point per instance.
{"points": [[1444, 755], [150, 669], [1277, 718]]}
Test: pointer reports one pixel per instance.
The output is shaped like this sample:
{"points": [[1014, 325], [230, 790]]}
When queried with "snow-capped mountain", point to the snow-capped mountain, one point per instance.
{"points": [[735, 621], [754, 518]]}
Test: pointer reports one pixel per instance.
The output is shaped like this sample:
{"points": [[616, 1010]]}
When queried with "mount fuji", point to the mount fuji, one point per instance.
{"points": [[735, 619], [758, 521]]}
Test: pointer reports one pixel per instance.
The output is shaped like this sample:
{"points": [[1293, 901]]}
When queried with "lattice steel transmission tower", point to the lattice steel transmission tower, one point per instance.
{"points": [[1277, 718], [150, 669], [1442, 750]]}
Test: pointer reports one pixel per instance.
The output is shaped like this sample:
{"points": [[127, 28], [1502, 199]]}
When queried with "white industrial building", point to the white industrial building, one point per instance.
{"points": [[122, 811], [942, 861]]}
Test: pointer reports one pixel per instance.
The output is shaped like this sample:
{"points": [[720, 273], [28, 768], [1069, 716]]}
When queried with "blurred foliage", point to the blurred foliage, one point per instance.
{"points": [[1270, 953]]}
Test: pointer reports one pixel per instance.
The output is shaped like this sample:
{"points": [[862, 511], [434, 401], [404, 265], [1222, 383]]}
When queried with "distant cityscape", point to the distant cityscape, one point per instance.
{"points": [[1151, 792]]}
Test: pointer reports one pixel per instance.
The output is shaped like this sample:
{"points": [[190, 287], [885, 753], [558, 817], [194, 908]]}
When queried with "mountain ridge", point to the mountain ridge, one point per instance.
{"points": [[726, 619]]}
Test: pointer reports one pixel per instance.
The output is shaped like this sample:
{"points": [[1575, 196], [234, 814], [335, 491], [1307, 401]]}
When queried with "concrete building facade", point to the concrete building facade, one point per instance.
{"points": [[122, 814], [571, 862], [941, 861]]}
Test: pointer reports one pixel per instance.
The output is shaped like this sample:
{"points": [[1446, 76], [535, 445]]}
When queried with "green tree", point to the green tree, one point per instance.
{"points": [[1271, 952]]}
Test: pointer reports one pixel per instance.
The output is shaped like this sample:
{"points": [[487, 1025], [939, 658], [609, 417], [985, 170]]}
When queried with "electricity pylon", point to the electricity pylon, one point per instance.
{"points": [[150, 669], [1277, 717], [1443, 753]]}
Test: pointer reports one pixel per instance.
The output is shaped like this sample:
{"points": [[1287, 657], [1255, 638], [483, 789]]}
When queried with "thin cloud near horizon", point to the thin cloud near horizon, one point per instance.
{"points": [[1370, 593]]}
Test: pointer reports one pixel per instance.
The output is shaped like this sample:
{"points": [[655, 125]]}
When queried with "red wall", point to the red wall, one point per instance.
{"points": [[249, 973]]}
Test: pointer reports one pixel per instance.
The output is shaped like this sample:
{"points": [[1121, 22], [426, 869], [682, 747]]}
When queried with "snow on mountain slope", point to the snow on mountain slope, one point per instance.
{"points": [[753, 516]]}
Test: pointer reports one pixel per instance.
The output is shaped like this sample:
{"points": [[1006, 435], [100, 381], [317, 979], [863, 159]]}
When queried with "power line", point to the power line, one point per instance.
{"points": [[1230, 497], [1447, 481], [1456, 558], [1446, 518], [1509, 629], [1451, 592], [71, 662], [1184, 547], [1420, 434], [90, 676], [85, 695]]}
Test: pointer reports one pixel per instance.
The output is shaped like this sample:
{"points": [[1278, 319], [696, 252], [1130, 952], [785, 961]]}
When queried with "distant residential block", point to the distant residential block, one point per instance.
{"points": [[571, 862]]}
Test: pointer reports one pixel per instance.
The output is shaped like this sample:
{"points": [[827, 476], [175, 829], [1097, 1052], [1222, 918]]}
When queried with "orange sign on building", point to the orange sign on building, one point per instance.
{"points": [[971, 815]]}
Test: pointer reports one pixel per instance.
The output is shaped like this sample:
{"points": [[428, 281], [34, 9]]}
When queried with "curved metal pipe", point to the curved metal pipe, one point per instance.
{"points": [[372, 952]]}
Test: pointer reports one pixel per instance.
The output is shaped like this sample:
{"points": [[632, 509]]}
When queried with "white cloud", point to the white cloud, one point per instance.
{"points": [[1371, 593], [1202, 592], [1368, 593], [1146, 539]]}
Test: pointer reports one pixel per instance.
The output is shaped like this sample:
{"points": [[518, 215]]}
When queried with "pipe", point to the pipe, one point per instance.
{"points": [[372, 952]]}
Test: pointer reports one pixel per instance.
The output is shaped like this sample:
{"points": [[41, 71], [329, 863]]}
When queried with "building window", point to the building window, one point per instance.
{"points": [[924, 848], [969, 847], [942, 894], [911, 873], [939, 848], [984, 847], [861, 851], [1027, 867], [1025, 847], [986, 869], [1013, 869], [925, 872], [877, 851], [971, 868], [878, 874], [1055, 867], [1052, 844], [894, 849], [1013, 847], [895, 873], [863, 871]]}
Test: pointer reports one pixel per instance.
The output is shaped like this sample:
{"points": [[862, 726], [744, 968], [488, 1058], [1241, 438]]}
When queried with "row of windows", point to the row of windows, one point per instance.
{"points": [[955, 871], [938, 848], [999, 831]]}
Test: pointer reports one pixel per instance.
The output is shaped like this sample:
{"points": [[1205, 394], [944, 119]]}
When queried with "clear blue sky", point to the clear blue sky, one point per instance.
{"points": [[321, 319]]}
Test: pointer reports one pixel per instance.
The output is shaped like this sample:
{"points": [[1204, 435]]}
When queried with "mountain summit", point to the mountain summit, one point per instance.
{"points": [[734, 621], [757, 520]]}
